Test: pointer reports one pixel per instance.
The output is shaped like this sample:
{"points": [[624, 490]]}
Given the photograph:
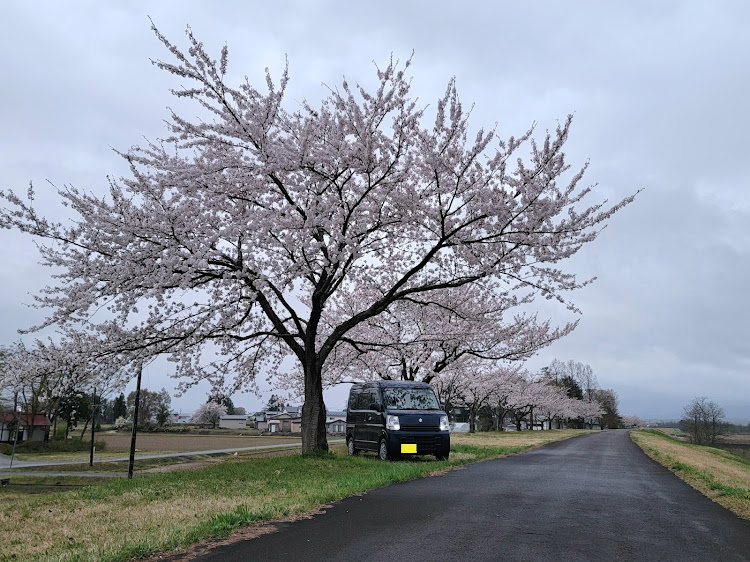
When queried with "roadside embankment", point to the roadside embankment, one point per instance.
{"points": [[719, 475]]}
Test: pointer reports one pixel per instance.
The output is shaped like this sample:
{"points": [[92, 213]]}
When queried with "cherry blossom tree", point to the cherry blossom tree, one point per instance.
{"points": [[631, 421], [480, 381], [240, 239], [209, 412], [523, 394], [38, 375], [417, 339], [553, 404]]}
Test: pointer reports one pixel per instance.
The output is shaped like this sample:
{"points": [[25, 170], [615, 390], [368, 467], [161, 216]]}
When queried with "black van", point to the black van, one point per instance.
{"points": [[396, 418]]}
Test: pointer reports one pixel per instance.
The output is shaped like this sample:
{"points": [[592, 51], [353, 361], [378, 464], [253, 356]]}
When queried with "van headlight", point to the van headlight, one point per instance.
{"points": [[391, 422], [444, 425]]}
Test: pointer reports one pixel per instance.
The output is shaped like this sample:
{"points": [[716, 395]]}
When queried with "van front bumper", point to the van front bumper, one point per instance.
{"points": [[438, 443]]}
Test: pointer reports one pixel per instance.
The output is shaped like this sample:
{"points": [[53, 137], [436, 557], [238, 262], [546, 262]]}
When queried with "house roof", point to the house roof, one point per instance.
{"points": [[286, 416], [38, 420]]}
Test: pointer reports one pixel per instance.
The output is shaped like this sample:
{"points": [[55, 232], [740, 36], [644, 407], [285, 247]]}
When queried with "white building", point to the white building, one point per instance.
{"points": [[233, 422]]}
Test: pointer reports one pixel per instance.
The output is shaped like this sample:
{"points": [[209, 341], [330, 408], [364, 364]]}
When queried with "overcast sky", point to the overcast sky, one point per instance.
{"points": [[661, 96]]}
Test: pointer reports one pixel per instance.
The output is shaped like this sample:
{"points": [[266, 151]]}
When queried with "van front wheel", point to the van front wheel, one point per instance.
{"points": [[383, 450], [350, 448]]}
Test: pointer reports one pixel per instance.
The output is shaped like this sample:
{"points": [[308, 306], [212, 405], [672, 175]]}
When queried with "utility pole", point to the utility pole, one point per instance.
{"points": [[135, 422], [93, 426]]}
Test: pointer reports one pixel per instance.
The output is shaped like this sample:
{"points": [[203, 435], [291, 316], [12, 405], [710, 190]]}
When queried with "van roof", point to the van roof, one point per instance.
{"points": [[391, 384]]}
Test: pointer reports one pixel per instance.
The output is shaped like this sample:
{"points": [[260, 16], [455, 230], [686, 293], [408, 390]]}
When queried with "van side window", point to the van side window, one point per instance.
{"points": [[363, 401]]}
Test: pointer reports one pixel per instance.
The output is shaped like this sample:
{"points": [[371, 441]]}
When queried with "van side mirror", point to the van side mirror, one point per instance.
{"points": [[442, 406], [375, 406]]}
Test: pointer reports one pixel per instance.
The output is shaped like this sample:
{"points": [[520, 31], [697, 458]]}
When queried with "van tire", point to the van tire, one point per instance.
{"points": [[383, 450], [350, 448], [442, 456]]}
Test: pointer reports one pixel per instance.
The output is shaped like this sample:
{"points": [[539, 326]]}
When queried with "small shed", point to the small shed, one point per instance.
{"points": [[32, 427], [233, 421]]}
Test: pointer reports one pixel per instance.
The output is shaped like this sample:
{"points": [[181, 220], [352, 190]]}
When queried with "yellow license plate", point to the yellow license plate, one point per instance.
{"points": [[409, 448]]}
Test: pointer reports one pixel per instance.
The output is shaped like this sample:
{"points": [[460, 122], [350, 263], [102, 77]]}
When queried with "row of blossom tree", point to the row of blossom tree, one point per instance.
{"points": [[258, 231], [552, 398]]}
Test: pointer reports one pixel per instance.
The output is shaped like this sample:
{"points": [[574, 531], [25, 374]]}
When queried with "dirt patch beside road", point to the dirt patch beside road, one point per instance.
{"points": [[179, 443]]}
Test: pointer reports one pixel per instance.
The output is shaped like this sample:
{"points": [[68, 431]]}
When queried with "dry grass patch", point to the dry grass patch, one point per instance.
{"points": [[740, 438], [722, 476]]}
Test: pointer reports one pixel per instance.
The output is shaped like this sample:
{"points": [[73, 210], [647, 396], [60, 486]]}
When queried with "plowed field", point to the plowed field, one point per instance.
{"points": [[178, 443]]}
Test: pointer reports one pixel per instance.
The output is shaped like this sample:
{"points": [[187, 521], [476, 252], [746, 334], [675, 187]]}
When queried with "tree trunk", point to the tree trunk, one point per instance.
{"points": [[314, 409], [472, 420]]}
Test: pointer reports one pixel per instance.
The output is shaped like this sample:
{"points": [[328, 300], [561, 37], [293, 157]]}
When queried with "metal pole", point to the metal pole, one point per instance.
{"points": [[93, 427], [135, 422]]}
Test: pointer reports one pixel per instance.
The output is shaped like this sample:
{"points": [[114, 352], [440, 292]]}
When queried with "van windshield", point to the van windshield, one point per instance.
{"points": [[410, 399]]}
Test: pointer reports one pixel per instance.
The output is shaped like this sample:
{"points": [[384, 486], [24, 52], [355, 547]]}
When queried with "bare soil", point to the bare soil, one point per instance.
{"points": [[186, 443]]}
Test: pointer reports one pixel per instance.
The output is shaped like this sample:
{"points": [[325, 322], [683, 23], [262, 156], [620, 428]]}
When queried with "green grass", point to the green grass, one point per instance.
{"points": [[113, 466], [710, 481], [118, 519], [719, 474]]}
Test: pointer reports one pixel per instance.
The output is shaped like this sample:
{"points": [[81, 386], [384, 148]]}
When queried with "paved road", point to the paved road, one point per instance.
{"points": [[596, 497]]}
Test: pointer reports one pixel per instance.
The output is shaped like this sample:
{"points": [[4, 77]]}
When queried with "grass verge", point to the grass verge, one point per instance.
{"points": [[719, 475], [121, 519]]}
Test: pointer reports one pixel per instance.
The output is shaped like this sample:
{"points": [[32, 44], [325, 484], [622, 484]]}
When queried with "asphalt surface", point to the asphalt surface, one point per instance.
{"points": [[596, 497]]}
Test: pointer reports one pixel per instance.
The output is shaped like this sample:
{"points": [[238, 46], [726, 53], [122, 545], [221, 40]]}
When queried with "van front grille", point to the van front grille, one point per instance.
{"points": [[420, 427], [422, 440]]}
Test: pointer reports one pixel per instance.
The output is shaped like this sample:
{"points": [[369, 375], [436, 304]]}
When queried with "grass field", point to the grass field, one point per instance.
{"points": [[720, 475], [119, 519]]}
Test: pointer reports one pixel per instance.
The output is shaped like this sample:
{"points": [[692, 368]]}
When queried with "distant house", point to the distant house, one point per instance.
{"points": [[287, 419], [261, 421], [293, 410], [233, 421], [181, 418], [335, 422], [31, 428], [284, 423]]}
